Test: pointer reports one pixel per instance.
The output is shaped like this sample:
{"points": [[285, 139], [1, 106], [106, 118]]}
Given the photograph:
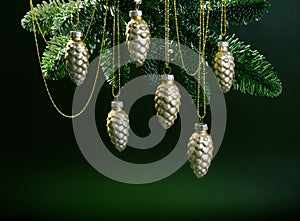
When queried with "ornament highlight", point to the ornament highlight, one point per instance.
{"points": [[77, 58], [200, 150], [167, 101], [224, 66], [138, 37], [118, 126]]}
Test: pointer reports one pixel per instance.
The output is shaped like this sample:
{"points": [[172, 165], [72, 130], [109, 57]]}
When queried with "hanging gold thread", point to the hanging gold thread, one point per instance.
{"points": [[116, 20], [223, 19], [179, 44], [203, 34], [167, 37], [75, 25], [203, 31], [34, 17]]}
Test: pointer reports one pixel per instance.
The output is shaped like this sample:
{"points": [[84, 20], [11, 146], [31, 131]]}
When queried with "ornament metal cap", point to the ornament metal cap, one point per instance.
{"points": [[117, 104], [135, 13], [201, 127], [223, 44], [75, 34], [167, 77]]}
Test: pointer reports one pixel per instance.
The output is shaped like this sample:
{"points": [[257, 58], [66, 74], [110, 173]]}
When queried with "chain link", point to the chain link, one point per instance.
{"points": [[34, 19], [116, 22], [167, 33], [75, 25], [203, 26], [223, 19], [203, 34], [179, 44]]}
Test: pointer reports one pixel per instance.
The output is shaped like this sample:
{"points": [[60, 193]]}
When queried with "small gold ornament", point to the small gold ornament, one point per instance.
{"points": [[77, 58], [224, 66], [138, 37], [118, 125], [200, 150], [167, 101]]}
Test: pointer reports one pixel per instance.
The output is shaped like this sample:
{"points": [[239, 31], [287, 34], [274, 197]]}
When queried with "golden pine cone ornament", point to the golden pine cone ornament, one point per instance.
{"points": [[167, 101], [224, 66], [138, 37], [118, 125], [200, 150], [77, 58]]}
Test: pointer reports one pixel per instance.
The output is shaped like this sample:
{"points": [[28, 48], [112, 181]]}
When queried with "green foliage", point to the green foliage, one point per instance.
{"points": [[240, 12], [45, 13], [254, 75], [54, 63]]}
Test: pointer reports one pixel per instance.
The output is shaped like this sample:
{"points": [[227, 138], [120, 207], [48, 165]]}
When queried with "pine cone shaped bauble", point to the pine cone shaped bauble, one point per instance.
{"points": [[138, 37], [167, 101], [118, 125], [224, 66], [200, 150], [77, 58]]}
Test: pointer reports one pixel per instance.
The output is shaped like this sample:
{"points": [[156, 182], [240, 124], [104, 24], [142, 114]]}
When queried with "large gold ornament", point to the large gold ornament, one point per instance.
{"points": [[77, 58], [200, 150], [167, 101], [118, 125], [224, 66], [138, 37]]}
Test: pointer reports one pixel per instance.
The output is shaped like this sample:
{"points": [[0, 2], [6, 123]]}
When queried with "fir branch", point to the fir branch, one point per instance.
{"points": [[240, 12], [53, 62], [254, 75], [45, 14], [55, 15]]}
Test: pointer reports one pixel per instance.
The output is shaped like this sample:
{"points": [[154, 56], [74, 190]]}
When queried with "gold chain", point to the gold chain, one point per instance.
{"points": [[75, 25], [179, 44], [223, 19], [201, 52], [167, 33], [116, 17], [91, 21], [203, 39], [34, 17], [97, 74]]}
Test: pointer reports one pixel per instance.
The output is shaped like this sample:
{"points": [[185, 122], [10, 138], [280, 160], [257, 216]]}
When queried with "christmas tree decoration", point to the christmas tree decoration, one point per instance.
{"points": [[77, 58], [118, 125], [117, 120], [200, 150], [223, 62], [167, 101], [200, 145], [138, 37], [224, 66], [167, 96], [37, 29]]}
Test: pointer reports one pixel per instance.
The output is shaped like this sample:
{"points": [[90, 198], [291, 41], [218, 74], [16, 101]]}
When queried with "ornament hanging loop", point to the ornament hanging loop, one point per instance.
{"points": [[167, 70], [201, 120]]}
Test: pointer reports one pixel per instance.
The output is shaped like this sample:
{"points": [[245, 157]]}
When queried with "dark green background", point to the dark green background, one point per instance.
{"points": [[254, 176]]}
